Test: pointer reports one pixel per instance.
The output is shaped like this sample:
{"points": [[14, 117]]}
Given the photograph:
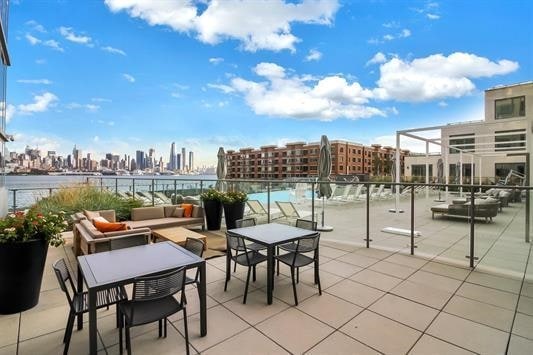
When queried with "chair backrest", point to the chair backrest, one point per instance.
{"points": [[256, 206], [63, 276], [150, 288], [245, 222], [235, 242], [195, 246], [288, 209], [307, 244], [127, 241], [306, 224]]}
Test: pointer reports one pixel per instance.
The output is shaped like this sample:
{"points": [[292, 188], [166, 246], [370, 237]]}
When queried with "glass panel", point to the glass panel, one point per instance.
{"points": [[511, 107]]}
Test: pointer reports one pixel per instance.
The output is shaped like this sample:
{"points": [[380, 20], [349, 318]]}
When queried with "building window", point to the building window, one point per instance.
{"points": [[420, 170], [508, 140], [511, 107], [465, 142], [501, 170]]}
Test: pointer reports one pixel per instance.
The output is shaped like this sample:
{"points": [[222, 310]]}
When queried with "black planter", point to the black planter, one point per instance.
{"points": [[213, 214], [21, 273], [232, 213]]}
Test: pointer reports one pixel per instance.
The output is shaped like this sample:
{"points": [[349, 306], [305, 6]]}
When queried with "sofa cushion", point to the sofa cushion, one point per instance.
{"points": [[169, 210], [105, 227], [197, 212], [187, 209], [178, 212], [164, 222], [144, 213], [87, 227], [91, 214]]}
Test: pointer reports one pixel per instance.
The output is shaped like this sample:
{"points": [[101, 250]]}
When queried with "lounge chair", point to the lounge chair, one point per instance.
{"points": [[163, 197], [290, 213], [260, 212], [340, 192]]}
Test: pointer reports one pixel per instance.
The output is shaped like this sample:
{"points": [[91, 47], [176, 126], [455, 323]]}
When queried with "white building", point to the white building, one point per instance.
{"points": [[493, 147]]}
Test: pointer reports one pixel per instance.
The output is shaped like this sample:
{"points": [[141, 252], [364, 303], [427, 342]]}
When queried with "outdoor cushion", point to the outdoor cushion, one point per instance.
{"points": [[197, 212], [100, 219], [164, 222], [108, 226], [87, 227], [187, 209], [91, 214], [143, 213], [178, 212], [169, 210]]}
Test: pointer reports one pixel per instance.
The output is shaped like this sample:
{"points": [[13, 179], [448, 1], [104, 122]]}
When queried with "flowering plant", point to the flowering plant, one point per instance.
{"points": [[22, 227], [211, 195], [232, 197]]}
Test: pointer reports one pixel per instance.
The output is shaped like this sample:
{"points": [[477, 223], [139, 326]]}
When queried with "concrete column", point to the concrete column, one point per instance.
{"points": [[460, 172], [427, 169], [480, 170], [398, 172], [446, 168]]}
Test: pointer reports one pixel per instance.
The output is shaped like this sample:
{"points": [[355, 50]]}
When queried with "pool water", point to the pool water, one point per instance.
{"points": [[282, 195]]}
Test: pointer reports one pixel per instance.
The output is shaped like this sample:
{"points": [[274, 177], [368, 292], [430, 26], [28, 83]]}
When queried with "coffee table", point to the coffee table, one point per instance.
{"points": [[177, 235]]}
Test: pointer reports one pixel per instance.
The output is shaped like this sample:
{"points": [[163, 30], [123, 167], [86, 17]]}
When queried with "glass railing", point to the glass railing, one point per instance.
{"points": [[429, 220]]}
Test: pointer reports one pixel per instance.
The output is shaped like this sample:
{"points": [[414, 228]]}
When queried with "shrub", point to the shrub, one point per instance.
{"points": [[211, 195], [77, 198], [232, 197], [20, 227]]}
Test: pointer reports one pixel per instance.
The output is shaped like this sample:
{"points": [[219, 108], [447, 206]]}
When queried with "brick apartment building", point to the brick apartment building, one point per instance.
{"points": [[300, 160]]}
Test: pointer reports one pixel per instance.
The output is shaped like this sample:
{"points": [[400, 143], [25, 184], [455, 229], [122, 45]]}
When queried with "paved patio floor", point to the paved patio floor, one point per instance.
{"points": [[373, 301]]}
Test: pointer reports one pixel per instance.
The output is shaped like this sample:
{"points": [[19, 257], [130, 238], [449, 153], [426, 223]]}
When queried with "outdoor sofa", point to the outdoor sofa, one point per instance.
{"points": [[87, 239], [483, 208]]}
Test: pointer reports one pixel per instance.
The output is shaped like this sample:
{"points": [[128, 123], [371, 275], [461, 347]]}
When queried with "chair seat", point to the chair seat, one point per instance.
{"points": [[254, 258], [149, 311], [104, 298], [189, 280], [301, 260], [255, 247]]}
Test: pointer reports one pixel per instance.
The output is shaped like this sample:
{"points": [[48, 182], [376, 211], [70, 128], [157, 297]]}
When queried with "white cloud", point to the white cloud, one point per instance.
{"points": [[10, 110], [256, 24], [128, 77], [442, 104], [40, 103], [100, 99], [88, 107], [313, 55], [378, 58], [391, 24], [436, 76], [283, 95], [96, 139], [35, 26], [216, 60], [33, 40], [35, 81], [40, 61], [226, 89], [413, 145], [113, 50], [404, 33], [54, 45], [433, 16], [69, 35]]}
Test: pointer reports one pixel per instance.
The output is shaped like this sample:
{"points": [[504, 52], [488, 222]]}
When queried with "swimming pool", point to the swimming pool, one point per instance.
{"points": [[281, 195]]}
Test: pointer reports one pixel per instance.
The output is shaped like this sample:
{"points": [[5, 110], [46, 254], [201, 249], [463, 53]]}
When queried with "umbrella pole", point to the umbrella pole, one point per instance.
{"points": [[323, 207], [322, 227]]}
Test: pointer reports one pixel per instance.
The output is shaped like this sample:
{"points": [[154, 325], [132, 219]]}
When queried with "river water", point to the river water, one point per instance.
{"points": [[33, 187]]}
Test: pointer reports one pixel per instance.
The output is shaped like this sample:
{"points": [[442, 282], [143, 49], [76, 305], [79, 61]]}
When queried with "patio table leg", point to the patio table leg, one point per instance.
{"points": [[203, 300], [80, 289], [93, 348], [270, 273]]}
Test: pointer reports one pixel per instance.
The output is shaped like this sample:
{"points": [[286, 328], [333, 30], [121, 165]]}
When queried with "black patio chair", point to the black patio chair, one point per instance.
{"points": [[78, 301], [127, 241], [248, 222], [300, 223], [195, 246], [298, 258], [153, 300], [243, 256]]}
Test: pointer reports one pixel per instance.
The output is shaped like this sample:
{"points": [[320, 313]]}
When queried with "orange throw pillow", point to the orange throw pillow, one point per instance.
{"points": [[187, 210], [105, 227]]}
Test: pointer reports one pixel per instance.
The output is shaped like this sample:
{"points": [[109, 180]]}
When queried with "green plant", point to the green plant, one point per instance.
{"points": [[211, 195], [77, 198], [232, 197], [21, 227]]}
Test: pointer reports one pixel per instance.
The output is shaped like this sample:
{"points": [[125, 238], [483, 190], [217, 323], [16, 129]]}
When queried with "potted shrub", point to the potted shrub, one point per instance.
{"points": [[211, 199], [233, 202], [24, 241]]}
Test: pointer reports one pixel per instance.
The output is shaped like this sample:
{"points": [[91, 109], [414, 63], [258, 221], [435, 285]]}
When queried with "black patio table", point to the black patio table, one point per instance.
{"points": [[102, 271], [269, 235]]}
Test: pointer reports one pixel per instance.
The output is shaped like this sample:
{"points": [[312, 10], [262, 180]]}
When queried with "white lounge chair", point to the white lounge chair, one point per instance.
{"points": [[290, 212], [258, 210]]}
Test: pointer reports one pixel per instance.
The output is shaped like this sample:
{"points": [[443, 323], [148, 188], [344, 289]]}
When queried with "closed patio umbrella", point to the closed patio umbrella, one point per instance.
{"points": [[324, 170], [221, 169], [440, 176]]}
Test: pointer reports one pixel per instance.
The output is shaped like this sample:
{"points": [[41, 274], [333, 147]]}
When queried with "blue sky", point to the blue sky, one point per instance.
{"points": [[117, 76]]}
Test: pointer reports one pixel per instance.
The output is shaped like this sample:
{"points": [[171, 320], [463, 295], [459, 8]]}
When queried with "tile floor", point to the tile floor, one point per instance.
{"points": [[373, 301]]}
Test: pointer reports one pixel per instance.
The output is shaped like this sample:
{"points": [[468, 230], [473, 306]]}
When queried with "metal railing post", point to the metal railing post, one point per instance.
{"points": [[367, 206], [133, 187], [413, 221], [101, 184], [472, 221], [313, 202], [153, 192], [116, 186], [268, 202], [50, 191], [14, 200], [175, 190]]}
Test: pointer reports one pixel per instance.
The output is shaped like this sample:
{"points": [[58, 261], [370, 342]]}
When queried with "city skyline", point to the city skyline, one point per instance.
{"points": [[353, 71]]}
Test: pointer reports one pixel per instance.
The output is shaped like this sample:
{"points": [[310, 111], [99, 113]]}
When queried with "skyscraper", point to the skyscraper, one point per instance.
{"points": [[183, 161], [178, 161], [191, 161], [140, 160], [172, 159]]}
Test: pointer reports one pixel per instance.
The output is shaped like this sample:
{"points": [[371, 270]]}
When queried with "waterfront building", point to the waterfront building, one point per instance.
{"points": [[191, 161], [486, 150], [300, 160], [140, 159], [183, 162], [4, 137], [178, 161], [172, 163]]}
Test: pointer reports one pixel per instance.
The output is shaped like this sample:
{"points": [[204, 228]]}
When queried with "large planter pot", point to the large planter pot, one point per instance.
{"points": [[233, 212], [21, 273], [213, 214]]}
